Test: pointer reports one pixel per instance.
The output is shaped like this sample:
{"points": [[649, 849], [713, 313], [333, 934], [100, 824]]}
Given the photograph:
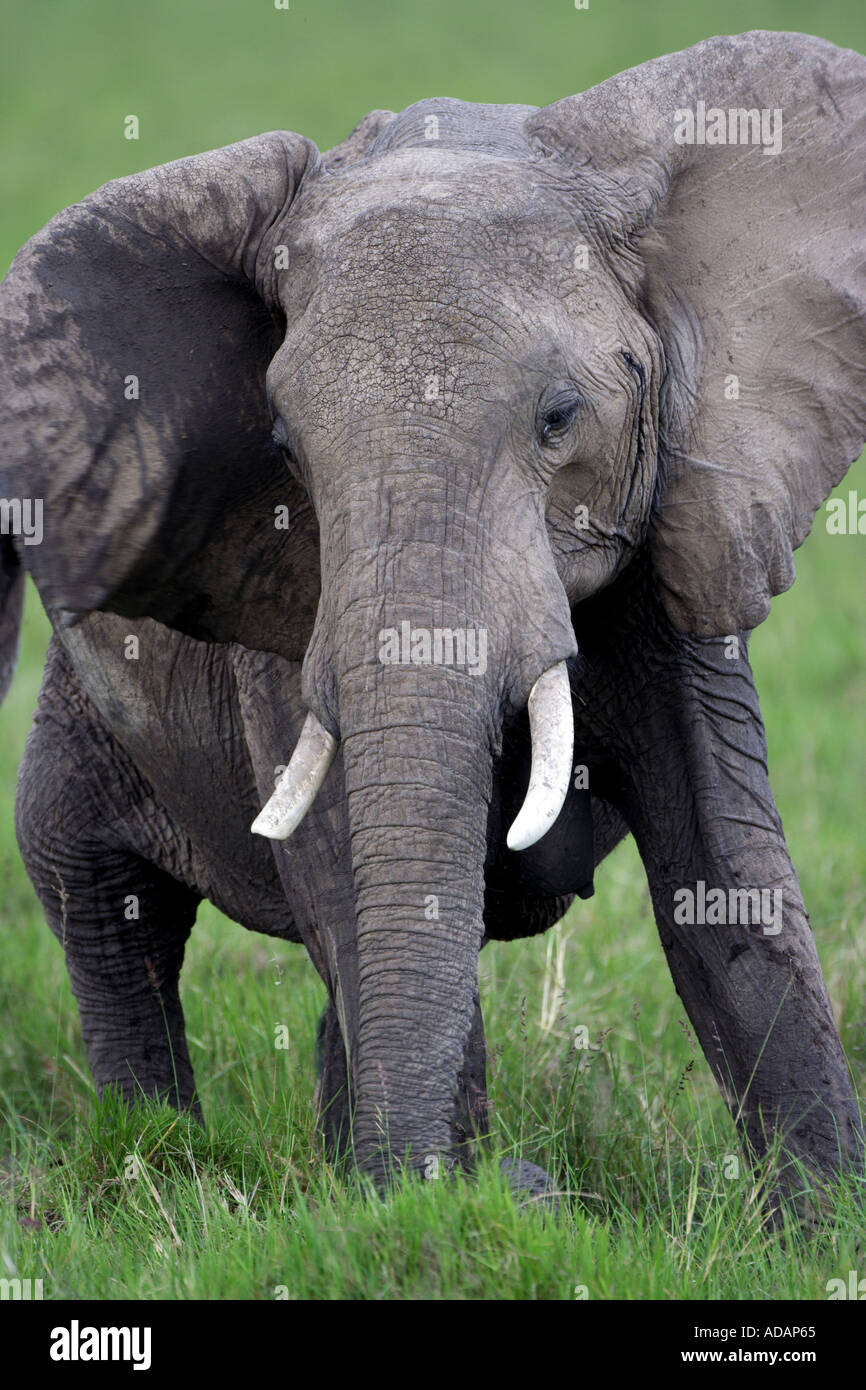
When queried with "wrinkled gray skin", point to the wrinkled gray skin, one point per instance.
{"points": [[266, 287]]}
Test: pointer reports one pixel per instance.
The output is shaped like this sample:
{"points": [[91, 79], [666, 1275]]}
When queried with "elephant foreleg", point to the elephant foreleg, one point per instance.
{"points": [[732, 920], [122, 921], [684, 727]]}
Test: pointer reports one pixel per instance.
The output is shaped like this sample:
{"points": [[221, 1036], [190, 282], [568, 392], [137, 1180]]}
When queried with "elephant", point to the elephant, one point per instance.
{"points": [[462, 460]]}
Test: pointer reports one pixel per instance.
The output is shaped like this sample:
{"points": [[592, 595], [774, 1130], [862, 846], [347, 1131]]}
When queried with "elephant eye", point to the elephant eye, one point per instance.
{"points": [[555, 413], [280, 437]]}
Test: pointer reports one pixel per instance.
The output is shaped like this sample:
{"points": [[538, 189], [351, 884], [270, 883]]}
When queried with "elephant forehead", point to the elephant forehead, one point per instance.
{"points": [[438, 349], [422, 362], [437, 215], [430, 281]]}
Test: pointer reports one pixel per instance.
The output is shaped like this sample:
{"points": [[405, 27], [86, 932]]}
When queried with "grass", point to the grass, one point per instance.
{"points": [[104, 1203]]}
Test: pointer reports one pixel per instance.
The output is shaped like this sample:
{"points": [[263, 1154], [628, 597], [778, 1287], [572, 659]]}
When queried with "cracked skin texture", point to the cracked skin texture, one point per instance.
{"points": [[462, 343]]}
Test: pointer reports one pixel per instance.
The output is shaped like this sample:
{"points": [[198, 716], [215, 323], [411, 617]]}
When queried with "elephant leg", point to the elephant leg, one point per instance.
{"points": [[472, 1118], [122, 921], [691, 779], [333, 1091]]}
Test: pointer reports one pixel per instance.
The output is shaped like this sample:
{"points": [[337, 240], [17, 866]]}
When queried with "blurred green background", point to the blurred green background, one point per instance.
{"points": [[203, 73]]}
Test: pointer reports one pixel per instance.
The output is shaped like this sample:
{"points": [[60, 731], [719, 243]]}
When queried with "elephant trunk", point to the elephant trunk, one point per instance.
{"points": [[418, 777], [428, 627]]}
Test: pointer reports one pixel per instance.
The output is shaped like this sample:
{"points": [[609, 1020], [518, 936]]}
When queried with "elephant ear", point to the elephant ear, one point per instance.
{"points": [[754, 276], [135, 332]]}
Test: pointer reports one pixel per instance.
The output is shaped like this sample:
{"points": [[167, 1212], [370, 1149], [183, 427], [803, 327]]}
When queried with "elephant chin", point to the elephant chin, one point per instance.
{"points": [[552, 728]]}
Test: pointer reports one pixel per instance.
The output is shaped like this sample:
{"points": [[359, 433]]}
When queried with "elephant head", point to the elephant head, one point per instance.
{"points": [[485, 355]]}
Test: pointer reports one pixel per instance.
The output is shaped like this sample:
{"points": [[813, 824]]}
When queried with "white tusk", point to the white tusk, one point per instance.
{"points": [[552, 726], [298, 786]]}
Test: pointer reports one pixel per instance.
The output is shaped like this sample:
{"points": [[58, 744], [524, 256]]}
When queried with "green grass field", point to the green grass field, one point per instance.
{"points": [[101, 1204]]}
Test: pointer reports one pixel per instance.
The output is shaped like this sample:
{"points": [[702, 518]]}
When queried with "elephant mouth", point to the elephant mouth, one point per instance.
{"points": [[552, 730]]}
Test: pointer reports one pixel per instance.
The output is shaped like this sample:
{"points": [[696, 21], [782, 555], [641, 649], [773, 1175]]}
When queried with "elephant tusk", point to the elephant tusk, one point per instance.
{"points": [[298, 786], [552, 727]]}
